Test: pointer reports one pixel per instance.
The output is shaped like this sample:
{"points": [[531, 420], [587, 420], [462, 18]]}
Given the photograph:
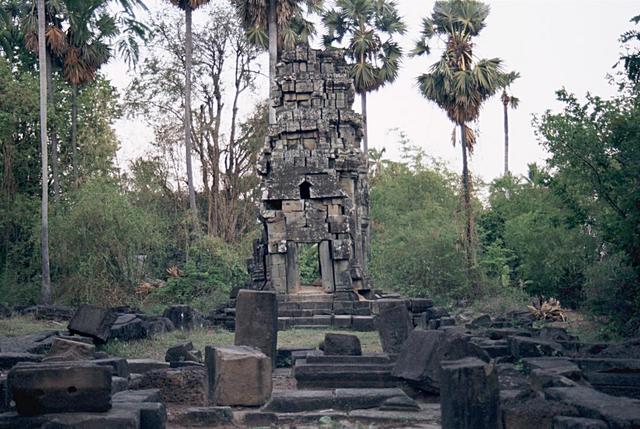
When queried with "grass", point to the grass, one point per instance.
{"points": [[23, 325], [156, 347]]}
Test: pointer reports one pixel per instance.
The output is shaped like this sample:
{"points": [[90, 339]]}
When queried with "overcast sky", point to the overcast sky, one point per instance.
{"points": [[552, 43]]}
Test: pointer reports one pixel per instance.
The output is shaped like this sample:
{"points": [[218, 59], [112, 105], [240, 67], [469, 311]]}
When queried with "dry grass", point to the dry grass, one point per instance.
{"points": [[23, 325], [155, 348]]}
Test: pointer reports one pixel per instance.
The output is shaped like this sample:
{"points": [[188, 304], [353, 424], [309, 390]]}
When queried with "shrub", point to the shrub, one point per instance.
{"points": [[212, 269], [101, 245]]}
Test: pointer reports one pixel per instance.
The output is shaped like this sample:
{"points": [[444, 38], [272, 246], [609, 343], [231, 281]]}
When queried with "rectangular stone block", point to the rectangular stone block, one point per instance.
{"points": [[257, 321], [92, 321], [393, 324], [342, 321], [237, 376], [60, 387], [362, 323]]}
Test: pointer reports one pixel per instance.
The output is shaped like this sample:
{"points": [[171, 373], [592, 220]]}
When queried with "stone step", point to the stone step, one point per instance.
{"points": [[304, 313], [297, 401], [310, 379], [305, 305], [341, 367], [367, 359], [305, 297], [340, 375]]}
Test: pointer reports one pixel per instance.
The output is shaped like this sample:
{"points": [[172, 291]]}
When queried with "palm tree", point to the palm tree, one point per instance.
{"points": [[508, 100], [189, 6], [369, 26], [46, 292], [87, 49], [376, 162], [276, 23], [459, 84]]}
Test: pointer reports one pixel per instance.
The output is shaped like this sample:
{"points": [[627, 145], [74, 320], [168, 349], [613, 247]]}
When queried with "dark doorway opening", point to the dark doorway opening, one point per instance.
{"points": [[305, 190]]}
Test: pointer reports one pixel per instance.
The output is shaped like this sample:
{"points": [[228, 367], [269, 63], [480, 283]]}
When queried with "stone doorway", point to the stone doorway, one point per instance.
{"points": [[309, 265]]}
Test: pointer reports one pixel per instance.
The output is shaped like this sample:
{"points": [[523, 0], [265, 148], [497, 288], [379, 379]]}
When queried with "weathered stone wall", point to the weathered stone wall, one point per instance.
{"points": [[315, 187]]}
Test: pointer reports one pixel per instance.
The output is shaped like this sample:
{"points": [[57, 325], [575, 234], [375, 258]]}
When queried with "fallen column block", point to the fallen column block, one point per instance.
{"points": [[469, 394], [60, 387]]}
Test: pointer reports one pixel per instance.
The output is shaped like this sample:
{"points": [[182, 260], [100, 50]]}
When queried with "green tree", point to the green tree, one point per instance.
{"points": [[414, 206], [459, 84], [369, 26], [275, 24], [593, 149]]}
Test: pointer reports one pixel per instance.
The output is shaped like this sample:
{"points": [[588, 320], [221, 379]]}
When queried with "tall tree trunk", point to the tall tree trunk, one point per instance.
{"points": [[187, 117], [273, 56], [365, 137], [46, 292], [468, 210], [74, 133], [506, 138], [54, 138]]}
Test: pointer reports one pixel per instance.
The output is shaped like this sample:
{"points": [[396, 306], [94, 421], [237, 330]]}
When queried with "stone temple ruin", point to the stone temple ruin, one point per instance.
{"points": [[315, 180]]}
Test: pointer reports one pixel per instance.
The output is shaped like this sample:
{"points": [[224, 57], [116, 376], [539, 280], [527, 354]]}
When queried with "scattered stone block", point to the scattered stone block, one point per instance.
{"points": [[342, 344], [357, 399], [119, 384], [153, 415], [393, 324], [116, 418], [184, 317], [92, 321], [298, 401], [260, 419], [9, 359], [60, 387], [532, 412], [400, 403], [138, 396], [238, 376], [183, 352], [129, 327], [617, 412], [420, 305], [469, 394], [206, 417], [257, 321], [421, 356], [524, 347], [36, 343], [119, 366], [141, 366], [483, 321], [67, 350], [563, 422]]}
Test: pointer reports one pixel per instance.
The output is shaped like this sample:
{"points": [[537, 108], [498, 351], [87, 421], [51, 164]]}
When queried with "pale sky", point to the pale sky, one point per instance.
{"points": [[552, 43]]}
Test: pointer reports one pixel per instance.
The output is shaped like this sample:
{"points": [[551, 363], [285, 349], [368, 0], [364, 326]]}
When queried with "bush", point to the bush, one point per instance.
{"points": [[205, 280], [416, 231], [610, 292], [101, 245]]}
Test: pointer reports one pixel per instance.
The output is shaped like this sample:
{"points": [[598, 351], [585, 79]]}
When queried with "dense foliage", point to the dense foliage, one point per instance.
{"points": [[569, 229]]}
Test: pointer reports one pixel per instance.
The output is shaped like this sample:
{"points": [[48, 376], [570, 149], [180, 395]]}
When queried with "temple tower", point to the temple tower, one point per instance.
{"points": [[314, 177]]}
